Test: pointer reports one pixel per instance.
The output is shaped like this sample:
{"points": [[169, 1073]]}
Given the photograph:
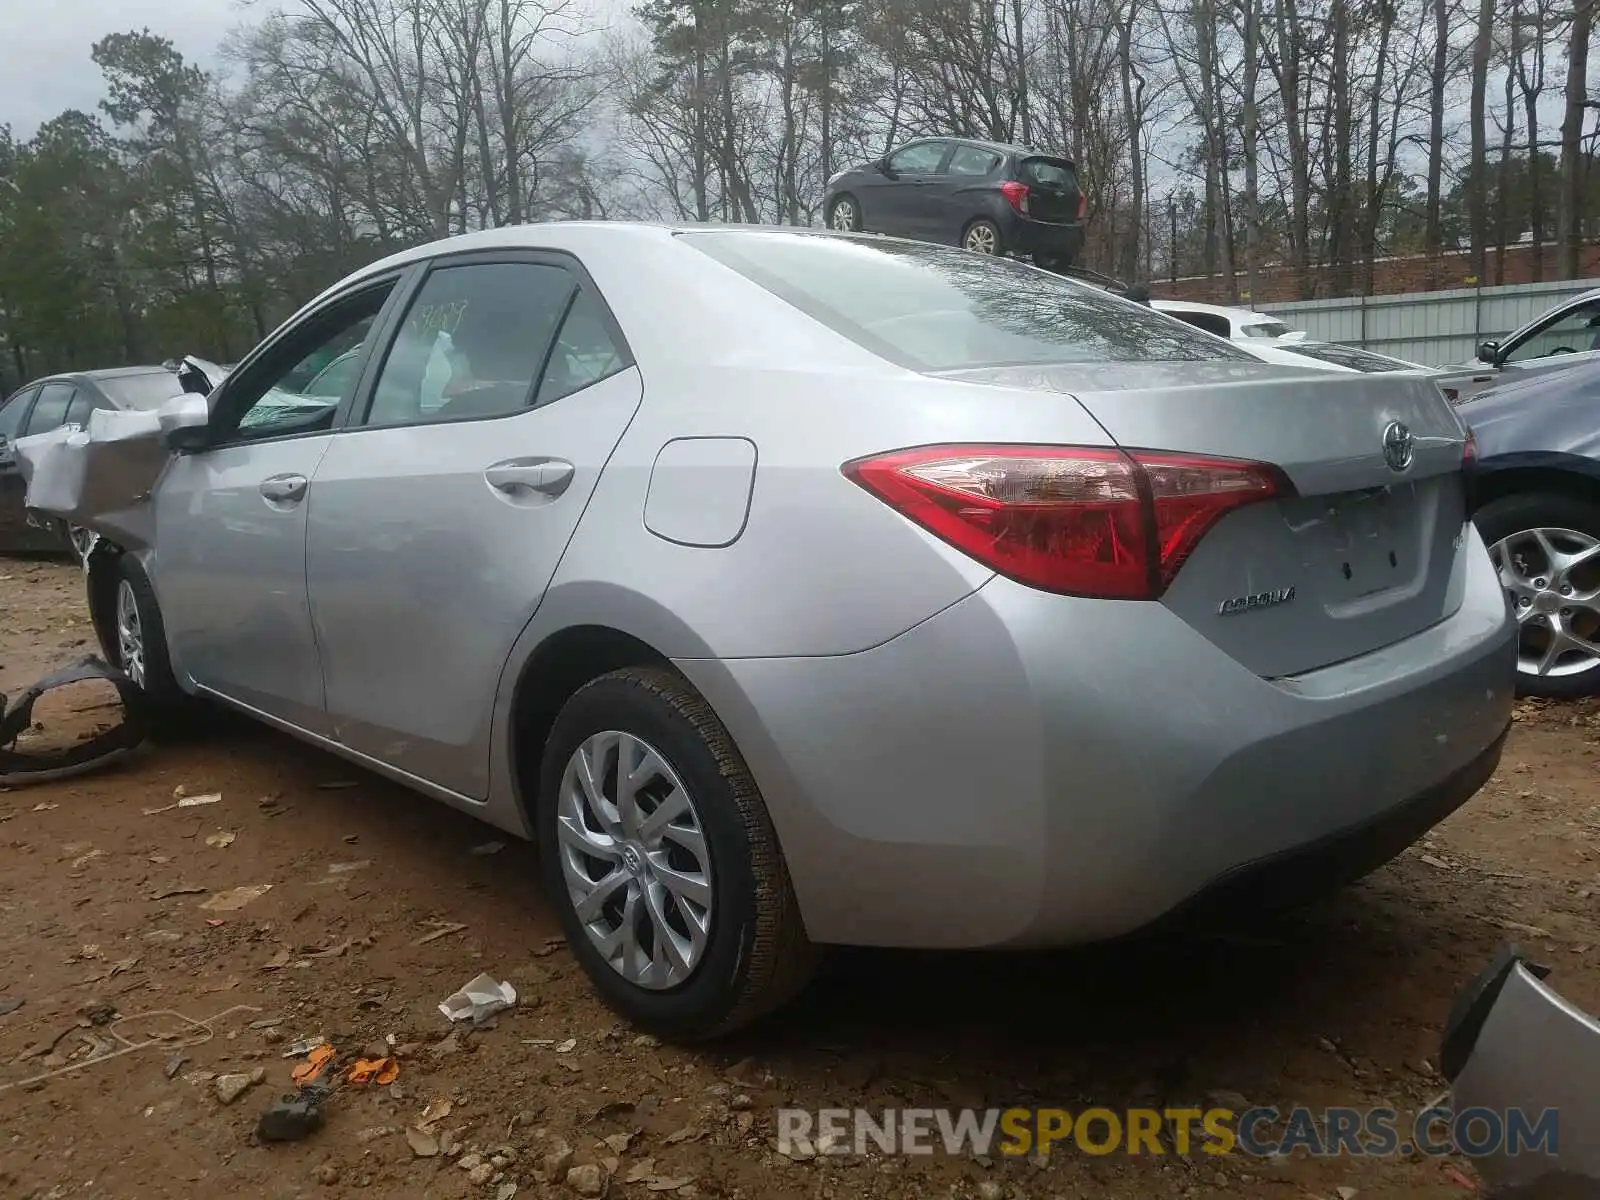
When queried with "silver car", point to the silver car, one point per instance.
{"points": [[795, 589]]}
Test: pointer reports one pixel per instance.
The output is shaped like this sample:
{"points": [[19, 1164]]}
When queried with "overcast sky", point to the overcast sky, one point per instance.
{"points": [[44, 50]]}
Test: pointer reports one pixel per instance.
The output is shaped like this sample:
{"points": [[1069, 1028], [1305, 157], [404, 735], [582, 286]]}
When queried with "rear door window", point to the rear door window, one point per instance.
{"points": [[932, 308], [82, 405], [970, 160], [51, 409]]}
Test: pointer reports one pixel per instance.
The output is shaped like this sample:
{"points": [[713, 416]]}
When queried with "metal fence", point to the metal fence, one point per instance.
{"points": [[1434, 328]]}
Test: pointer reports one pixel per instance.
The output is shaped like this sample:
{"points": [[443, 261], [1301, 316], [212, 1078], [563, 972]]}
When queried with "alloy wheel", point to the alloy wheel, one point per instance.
{"points": [[982, 239], [1552, 577], [130, 634], [633, 857], [844, 215]]}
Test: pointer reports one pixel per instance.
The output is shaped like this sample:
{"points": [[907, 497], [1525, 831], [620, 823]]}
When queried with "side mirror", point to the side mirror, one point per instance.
{"points": [[192, 379], [184, 422], [883, 167], [1489, 352]]}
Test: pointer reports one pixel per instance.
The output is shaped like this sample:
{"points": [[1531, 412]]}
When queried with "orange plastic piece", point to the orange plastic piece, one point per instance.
{"points": [[373, 1070], [316, 1062]]}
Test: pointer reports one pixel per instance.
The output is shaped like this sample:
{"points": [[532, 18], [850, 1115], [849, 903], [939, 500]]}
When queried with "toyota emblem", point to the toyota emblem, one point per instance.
{"points": [[1397, 446]]}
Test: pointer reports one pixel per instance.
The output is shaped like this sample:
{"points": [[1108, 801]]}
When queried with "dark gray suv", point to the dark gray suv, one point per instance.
{"points": [[986, 196]]}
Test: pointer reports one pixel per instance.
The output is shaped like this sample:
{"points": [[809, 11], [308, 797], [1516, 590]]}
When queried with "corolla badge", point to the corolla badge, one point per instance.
{"points": [[1250, 603], [1398, 446]]}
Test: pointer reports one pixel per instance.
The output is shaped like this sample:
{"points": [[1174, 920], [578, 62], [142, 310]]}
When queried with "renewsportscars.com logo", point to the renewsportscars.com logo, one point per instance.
{"points": [[1260, 1132]]}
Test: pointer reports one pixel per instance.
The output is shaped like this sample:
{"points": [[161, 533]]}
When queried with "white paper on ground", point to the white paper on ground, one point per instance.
{"points": [[479, 998]]}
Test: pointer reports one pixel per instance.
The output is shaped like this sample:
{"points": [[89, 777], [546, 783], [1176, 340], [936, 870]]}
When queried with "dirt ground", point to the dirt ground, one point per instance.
{"points": [[103, 906]]}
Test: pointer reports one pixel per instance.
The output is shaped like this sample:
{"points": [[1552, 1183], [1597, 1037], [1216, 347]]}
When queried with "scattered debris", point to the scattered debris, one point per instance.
{"points": [[174, 1064], [186, 802], [221, 839], [182, 889], [10, 1004], [551, 945], [487, 849], [230, 1087], [641, 1171], [440, 929], [327, 1174], [478, 1000], [1433, 861], [236, 898], [1530, 930], [668, 1185], [618, 1143], [567, 1047], [310, 1071], [689, 1133], [506, 1191], [291, 1118], [304, 1046], [344, 868], [436, 1111], [45, 807], [381, 1071], [587, 1179], [423, 1144]]}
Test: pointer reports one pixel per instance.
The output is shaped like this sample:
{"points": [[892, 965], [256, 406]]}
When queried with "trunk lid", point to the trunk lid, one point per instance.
{"points": [[1372, 554], [1053, 190]]}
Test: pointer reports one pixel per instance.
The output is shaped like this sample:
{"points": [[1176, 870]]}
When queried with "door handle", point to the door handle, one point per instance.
{"points": [[284, 489], [515, 476]]}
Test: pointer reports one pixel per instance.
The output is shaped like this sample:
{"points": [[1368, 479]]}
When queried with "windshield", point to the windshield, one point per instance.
{"points": [[149, 389], [1348, 356], [1266, 329], [931, 308]]}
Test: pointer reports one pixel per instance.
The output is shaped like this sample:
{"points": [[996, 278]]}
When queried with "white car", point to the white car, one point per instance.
{"points": [[1236, 324]]}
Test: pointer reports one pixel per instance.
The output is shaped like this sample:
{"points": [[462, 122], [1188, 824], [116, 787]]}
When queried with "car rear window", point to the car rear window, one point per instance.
{"points": [[1266, 329], [148, 389], [934, 308], [1347, 356], [1053, 173]]}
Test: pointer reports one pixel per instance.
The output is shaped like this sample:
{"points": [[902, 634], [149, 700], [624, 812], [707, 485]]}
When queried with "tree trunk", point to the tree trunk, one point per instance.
{"points": [[1569, 222], [1252, 200], [1439, 78], [1132, 107], [1022, 75], [1478, 180]]}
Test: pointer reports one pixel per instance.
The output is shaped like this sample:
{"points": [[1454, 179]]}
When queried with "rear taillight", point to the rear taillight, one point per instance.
{"points": [[1469, 451], [1083, 205], [1083, 521], [1016, 194]]}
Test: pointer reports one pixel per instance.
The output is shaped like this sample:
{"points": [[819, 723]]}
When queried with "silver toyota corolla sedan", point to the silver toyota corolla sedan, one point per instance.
{"points": [[794, 589]]}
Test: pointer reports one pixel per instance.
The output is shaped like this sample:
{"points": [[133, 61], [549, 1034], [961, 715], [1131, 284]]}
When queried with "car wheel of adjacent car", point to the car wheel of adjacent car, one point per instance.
{"points": [[140, 636], [1547, 550], [845, 214], [983, 237], [661, 859]]}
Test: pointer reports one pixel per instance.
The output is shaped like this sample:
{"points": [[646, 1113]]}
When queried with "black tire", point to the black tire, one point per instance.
{"points": [[854, 222], [158, 683], [1510, 515], [986, 230], [756, 955]]}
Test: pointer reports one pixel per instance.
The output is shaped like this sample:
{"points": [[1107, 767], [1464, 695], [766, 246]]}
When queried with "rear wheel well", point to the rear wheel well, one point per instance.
{"points": [[562, 664], [101, 587], [1516, 481]]}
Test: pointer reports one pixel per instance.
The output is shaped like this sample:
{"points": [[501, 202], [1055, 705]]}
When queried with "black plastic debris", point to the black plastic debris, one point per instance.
{"points": [[41, 766]]}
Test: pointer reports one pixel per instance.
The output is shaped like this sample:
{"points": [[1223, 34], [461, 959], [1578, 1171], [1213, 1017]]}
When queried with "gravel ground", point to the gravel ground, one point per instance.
{"points": [[103, 907]]}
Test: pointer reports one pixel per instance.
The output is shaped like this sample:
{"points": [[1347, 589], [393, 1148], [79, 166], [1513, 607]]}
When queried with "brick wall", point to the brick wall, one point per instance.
{"points": [[1390, 277]]}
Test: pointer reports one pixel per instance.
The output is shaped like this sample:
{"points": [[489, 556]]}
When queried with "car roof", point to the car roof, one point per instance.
{"points": [[1232, 312]]}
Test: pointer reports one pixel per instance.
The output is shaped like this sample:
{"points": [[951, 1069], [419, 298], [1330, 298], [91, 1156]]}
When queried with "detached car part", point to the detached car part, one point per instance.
{"points": [[1513, 1043], [40, 766]]}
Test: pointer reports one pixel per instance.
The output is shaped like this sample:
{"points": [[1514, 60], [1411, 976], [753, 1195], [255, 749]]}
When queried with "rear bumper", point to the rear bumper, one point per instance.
{"points": [[1028, 769], [1025, 236]]}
